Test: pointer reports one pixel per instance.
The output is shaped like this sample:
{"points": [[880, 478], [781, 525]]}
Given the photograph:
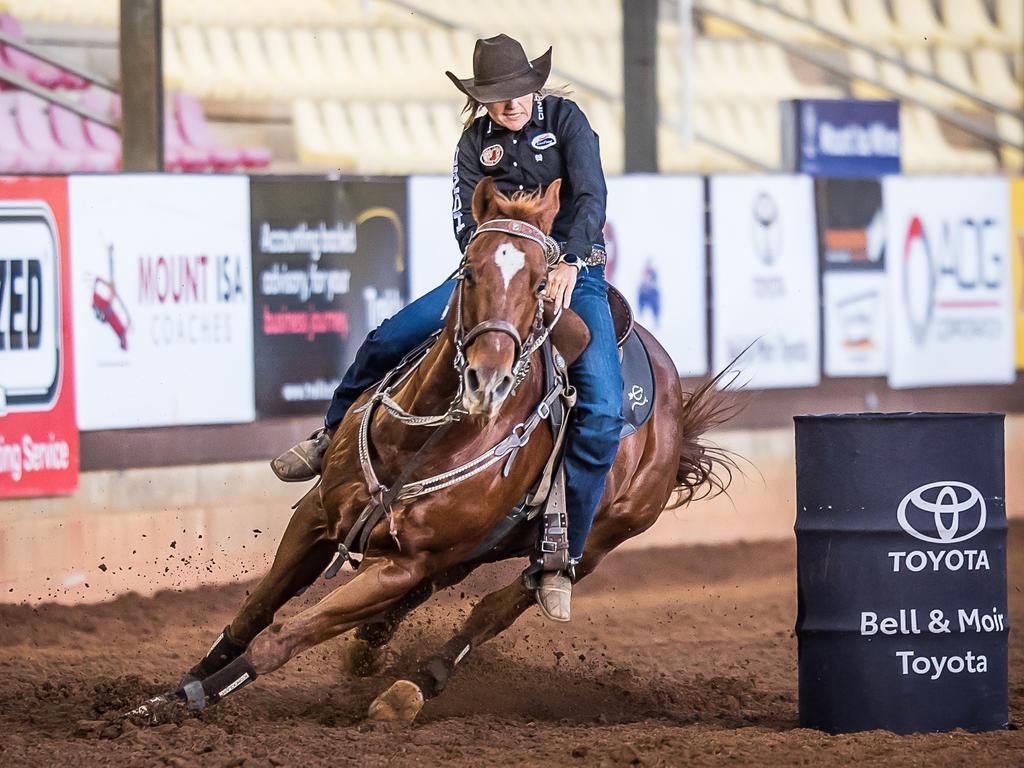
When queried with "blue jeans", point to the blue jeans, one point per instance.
{"points": [[593, 437]]}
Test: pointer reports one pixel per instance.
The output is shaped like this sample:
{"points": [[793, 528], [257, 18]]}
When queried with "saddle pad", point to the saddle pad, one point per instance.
{"points": [[637, 385]]}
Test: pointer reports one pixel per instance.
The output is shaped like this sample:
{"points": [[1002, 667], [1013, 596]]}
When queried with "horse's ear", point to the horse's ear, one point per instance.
{"points": [[485, 205], [549, 206]]}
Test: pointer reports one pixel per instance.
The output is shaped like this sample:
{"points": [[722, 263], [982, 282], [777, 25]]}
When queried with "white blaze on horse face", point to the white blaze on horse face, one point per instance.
{"points": [[509, 260]]}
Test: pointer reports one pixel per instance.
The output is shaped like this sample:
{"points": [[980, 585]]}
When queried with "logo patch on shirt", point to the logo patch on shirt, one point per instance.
{"points": [[543, 141], [491, 155]]}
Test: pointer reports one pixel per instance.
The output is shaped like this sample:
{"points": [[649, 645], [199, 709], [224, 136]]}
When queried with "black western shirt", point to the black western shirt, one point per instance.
{"points": [[556, 143]]}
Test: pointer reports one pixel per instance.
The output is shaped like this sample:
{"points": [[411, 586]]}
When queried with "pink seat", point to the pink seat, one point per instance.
{"points": [[69, 129], [29, 66], [36, 133], [17, 158], [196, 131], [99, 136], [179, 156]]}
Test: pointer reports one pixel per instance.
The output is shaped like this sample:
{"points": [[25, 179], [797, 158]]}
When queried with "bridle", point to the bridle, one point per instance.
{"points": [[538, 331], [381, 497]]}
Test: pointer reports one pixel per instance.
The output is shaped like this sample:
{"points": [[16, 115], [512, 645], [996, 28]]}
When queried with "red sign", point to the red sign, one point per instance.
{"points": [[38, 433]]}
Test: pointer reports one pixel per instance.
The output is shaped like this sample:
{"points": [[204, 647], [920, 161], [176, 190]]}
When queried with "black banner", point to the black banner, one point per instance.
{"points": [[329, 262], [901, 568], [852, 227]]}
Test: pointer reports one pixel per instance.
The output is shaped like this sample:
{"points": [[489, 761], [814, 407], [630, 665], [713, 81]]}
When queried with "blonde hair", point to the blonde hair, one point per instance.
{"points": [[472, 107]]}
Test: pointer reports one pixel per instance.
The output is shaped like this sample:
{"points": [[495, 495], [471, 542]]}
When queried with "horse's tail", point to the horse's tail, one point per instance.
{"points": [[705, 470]]}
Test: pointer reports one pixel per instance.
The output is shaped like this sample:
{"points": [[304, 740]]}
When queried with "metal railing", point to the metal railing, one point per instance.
{"points": [[591, 87], [23, 83], [851, 42], [823, 62]]}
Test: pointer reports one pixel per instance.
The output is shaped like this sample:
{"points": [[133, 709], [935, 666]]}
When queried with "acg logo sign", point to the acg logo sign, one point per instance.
{"points": [[946, 512], [969, 264]]}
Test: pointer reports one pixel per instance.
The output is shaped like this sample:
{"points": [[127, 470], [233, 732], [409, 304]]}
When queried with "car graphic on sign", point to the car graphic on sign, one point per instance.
{"points": [[108, 306]]}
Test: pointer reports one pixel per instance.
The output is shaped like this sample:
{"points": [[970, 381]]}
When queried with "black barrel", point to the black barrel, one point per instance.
{"points": [[901, 569]]}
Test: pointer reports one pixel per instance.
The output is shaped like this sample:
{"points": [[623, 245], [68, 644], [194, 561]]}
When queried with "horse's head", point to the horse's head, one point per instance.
{"points": [[499, 299]]}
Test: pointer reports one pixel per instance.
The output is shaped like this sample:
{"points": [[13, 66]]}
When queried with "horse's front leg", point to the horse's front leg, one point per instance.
{"points": [[305, 550], [380, 584]]}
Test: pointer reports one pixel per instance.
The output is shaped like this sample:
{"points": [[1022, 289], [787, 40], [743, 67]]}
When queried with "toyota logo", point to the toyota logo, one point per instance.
{"points": [[947, 507]]}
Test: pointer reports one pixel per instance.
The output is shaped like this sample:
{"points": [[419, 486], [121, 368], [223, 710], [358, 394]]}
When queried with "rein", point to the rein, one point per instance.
{"points": [[381, 496]]}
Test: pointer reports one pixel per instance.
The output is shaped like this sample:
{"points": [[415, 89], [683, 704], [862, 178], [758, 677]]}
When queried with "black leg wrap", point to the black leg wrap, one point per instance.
{"points": [[433, 676], [233, 677], [224, 651]]}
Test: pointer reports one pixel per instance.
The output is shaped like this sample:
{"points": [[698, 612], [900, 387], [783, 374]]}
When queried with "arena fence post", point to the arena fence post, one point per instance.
{"points": [[142, 90], [640, 85]]}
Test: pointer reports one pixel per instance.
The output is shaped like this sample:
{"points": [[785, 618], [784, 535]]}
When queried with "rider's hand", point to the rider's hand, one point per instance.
{"points": [[561, 281]]}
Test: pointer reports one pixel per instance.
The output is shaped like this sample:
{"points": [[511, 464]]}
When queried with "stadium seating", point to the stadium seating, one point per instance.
{"points": [[362, 80], [69, 131], [29, 66]]}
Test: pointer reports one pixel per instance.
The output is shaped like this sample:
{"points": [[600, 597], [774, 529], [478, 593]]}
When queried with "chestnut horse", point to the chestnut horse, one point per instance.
{"points": [[425, 542]]}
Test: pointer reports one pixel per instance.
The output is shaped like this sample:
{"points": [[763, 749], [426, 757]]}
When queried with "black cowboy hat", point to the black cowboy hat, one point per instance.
{"points": [[501, 71]]}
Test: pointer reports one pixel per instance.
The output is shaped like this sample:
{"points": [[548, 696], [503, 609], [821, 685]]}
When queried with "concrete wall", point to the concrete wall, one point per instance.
{"points": [[176, 527]]}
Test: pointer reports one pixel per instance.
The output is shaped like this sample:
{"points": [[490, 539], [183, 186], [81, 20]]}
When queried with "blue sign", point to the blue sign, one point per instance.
{"points": [[845, 137]]}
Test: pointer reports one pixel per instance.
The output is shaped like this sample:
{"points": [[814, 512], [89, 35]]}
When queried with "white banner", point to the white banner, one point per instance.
{"points": [[162, 300], [951, 316], [655, 240], [856, 342], [764, 268], [433, 251]]}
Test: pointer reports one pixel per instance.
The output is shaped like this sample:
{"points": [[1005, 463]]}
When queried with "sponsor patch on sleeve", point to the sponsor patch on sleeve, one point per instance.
{"points": [[543, 141], [491, 155]]}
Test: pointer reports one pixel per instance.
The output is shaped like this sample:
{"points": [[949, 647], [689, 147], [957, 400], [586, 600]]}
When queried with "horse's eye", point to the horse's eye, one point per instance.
{"points": [[541, 286], [468, 276]]}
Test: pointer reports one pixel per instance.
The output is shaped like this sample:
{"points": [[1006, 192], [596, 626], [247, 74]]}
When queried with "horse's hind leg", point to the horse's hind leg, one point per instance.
{"points": [[490, 617], [304, 552]]}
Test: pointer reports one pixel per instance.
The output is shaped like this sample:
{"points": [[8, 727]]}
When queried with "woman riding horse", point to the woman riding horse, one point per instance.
{"points": [[524, 141]]}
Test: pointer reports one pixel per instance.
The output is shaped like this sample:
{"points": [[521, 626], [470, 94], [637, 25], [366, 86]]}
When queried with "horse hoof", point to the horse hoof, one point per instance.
{"points": [[398, 704], [362, 659]]}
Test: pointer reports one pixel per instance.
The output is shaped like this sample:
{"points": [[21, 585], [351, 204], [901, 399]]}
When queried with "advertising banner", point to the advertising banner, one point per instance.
{"points": [[951, 318], [433, 251], [852, 230], [328, 267], [842, 137], [764, 270], [901, 572], [655, 239], [38, 435], [162, 300], [1017, 249]]}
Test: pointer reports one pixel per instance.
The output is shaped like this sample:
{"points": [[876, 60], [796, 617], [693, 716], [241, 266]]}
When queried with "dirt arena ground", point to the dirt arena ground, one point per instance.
{"points": [[682, 656]]}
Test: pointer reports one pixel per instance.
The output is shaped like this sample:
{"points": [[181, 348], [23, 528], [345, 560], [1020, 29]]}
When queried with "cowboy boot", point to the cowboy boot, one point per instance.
{"points": [[305, 460], [554, 595]]}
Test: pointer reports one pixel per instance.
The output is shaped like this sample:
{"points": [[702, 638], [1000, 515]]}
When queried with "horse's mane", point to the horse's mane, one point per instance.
{"points": [[525, 206]]}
